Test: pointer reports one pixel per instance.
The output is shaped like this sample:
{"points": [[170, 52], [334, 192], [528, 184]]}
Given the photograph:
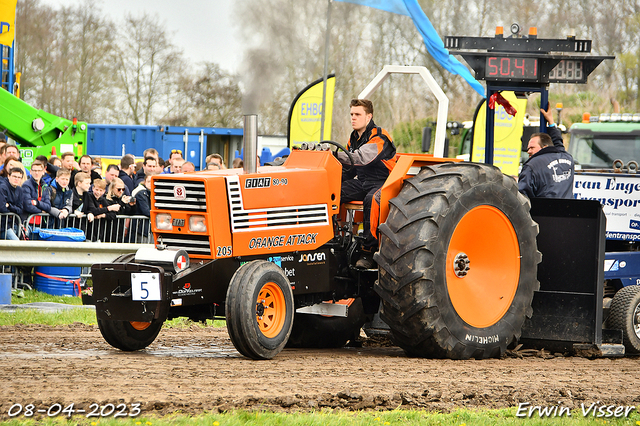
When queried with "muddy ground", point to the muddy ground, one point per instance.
{"points": [[193, 370]]}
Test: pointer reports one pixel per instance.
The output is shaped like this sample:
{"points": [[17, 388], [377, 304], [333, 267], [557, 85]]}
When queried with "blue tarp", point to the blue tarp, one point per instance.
{"points": [[64, 234], [432, 40]]}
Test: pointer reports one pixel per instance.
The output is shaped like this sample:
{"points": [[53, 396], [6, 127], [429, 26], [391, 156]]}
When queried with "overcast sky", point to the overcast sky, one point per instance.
{"points": [[203, 28]]}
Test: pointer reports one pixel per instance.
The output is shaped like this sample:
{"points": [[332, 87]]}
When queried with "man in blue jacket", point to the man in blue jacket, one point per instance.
{"points": [[548, 173], [37, 198]]}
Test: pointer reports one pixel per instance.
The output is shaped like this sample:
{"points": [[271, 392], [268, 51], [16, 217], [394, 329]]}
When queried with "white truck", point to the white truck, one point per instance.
{"points": [[606, 152]]}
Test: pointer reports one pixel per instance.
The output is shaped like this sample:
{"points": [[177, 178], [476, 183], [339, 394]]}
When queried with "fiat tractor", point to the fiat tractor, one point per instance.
{"points": [[466, 267]]}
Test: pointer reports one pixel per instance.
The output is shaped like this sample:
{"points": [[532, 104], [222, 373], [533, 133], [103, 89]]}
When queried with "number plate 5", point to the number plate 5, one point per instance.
{"points": [[145, 286]]}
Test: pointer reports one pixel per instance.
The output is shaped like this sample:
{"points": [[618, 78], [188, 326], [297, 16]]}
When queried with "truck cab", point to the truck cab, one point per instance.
{"points": [[595, 145]]}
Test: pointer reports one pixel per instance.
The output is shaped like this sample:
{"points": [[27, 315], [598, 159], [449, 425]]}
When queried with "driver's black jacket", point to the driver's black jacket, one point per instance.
{"points": [[374, 155]]}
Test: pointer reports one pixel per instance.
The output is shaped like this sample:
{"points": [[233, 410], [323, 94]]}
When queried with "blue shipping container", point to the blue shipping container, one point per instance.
{"points": [[195, 142]]}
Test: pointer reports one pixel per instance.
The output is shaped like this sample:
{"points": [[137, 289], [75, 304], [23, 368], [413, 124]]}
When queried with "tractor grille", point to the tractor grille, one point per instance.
{"points": [[293, 216], [179, 195], [193, 244]]}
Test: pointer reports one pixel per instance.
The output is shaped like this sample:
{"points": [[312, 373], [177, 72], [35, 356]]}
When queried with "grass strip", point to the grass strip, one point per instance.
{"points": [[22, 297], [463, 417]]}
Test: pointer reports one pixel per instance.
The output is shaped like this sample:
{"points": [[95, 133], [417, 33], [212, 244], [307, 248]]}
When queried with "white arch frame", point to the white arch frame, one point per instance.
{"points": [[443, 100]]}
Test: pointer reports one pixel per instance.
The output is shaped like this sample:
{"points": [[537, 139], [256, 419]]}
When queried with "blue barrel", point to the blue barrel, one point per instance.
{"points": [[5, 289], [57, 280]]}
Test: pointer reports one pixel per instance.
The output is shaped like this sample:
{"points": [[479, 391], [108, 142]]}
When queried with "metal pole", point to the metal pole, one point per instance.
{"points": [[250, 132], [544, 104], [185, 139], [201, 148], [488, 139], [324, 74]]}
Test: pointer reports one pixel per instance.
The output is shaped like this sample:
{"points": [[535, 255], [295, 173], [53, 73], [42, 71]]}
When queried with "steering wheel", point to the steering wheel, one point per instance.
{"points": [[346, 151]]}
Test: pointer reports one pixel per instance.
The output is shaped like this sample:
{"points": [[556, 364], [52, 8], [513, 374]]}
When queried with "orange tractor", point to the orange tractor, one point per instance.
{"points": [[460, 272]]}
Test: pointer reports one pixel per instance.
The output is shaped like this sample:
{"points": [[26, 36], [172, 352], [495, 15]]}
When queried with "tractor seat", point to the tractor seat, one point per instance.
{"points": [[353, 205]]}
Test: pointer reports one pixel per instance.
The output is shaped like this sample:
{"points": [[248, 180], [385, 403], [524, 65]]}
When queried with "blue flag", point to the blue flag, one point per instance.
{"points": [[432, 41]]}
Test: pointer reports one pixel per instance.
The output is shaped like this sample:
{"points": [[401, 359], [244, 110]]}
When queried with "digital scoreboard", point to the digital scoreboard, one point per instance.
{"points": [[527, 60], [500, 67], [538, 69], [525, 64]]}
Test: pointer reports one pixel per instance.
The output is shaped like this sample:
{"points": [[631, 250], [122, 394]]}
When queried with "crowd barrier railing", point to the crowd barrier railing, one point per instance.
{"points": [[10, 226]]}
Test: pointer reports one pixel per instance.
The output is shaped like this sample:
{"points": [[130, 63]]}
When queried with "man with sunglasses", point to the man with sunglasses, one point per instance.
{"points": [[176, 155], [112, 172]]}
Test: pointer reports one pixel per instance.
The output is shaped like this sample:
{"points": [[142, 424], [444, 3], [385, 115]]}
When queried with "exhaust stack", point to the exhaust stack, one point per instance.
{"points": [[250, 143]]}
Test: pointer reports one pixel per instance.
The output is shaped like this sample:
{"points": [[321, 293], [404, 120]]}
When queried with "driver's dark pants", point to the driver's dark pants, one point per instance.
{"points": [[357, 190]]}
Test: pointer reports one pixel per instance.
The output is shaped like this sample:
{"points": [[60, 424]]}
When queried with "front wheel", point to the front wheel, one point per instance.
{"points": [[259, 309], [625, 316], [129, 335]]}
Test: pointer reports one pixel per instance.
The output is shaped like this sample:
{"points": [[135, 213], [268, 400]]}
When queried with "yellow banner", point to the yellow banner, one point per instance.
{"points": [[305, 116], [7, 21], [507, 135]]}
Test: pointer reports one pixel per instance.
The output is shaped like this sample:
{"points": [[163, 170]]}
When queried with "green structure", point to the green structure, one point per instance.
{"points": [[37, 132]]}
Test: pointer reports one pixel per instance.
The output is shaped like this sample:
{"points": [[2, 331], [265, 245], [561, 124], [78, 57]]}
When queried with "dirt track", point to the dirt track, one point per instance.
{"points": [[192, 370]]}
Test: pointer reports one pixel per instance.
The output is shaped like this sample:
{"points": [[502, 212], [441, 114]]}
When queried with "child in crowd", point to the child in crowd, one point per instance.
{"points": [[61, 195], [83, 182], [95, 206]]}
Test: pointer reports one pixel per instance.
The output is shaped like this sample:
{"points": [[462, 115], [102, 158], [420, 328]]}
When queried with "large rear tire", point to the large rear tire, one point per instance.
{"points": [[458, 262], [129, 336], [259, 309], [318, 331], [625, 316]]}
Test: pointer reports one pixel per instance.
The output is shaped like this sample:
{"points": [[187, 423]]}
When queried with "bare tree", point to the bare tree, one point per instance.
{"points": [[95, 70], [35, 36], [214, 99], [64, 62], [147, 64]]}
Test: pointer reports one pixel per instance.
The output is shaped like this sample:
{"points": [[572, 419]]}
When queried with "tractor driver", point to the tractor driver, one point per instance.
{"points": [[548, 173], [373, 155]]}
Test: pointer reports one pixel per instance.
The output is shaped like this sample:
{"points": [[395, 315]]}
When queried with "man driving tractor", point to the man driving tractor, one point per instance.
{"points": [[374, 155]]}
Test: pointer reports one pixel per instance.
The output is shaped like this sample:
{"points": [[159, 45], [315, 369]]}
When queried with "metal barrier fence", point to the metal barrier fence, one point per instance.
{"points": [[10, 226]]}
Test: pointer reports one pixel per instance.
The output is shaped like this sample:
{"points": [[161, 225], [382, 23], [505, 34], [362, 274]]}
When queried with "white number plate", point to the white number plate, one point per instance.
{"points": [[145, 286]]}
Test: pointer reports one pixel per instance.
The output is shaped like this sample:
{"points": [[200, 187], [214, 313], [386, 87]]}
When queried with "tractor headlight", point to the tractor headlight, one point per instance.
{"points": [[163, 221], [197, 224]]}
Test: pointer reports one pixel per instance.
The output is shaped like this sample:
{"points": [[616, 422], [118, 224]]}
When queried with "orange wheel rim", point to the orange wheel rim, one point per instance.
{"points": [[271, 310], [139, 325], [483, 266]]}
